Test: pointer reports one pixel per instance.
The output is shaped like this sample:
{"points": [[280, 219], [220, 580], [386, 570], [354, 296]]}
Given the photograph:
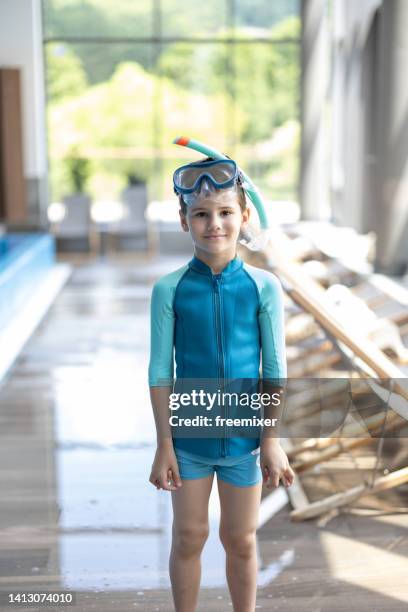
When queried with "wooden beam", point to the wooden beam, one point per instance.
{"points": [[395, 401], [308, 294], [349, 431], [347, 497], [346, 444]]}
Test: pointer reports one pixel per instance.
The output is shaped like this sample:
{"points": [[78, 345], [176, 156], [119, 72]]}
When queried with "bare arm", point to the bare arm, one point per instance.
{"points": [[160, 403], [273, 410], [274, 461], [165, 473]]}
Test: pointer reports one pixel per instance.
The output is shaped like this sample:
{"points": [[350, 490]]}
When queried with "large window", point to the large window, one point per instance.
{"points": [[124, 77]]}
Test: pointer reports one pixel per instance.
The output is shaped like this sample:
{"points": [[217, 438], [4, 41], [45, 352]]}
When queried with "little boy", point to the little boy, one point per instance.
{"points": [[219, 315]]}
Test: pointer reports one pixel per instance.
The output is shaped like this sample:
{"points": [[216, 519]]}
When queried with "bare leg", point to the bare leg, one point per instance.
{"points": [[190, 531], [239, 519]]}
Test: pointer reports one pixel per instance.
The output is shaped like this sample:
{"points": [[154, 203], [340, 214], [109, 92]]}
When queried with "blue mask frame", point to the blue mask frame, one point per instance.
{"points": [[206, 174]]}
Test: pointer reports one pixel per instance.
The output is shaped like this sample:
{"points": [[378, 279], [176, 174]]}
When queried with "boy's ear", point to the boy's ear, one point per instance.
{"points": [[183, 221], [245, 216]]}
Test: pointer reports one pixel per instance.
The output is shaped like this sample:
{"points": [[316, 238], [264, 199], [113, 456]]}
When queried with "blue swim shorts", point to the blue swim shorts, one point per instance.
{"points": [[243, 471]]}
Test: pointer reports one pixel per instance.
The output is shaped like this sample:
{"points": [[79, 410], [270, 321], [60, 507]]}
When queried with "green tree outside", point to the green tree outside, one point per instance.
{"points": [[123, 114]]}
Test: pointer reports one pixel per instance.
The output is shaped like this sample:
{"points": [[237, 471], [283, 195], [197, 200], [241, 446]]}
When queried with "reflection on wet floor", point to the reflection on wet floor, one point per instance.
{"points": [[113, 525], [116, 530], [76, 446]]}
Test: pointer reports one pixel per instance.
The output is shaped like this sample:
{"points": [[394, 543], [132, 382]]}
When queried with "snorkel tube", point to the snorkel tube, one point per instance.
{"points": [[250, 189]]}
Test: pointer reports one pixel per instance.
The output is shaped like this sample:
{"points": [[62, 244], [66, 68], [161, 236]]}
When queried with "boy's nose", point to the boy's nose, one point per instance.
{"points": [[214, 221]]}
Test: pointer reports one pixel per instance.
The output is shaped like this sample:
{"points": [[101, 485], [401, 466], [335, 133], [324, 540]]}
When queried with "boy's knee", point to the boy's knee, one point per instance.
{"points": [[238, 544], [189, 540]]}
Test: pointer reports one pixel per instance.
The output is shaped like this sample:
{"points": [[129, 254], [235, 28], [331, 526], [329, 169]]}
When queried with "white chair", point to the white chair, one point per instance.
{"points": [[130, 232], [72, 232]]}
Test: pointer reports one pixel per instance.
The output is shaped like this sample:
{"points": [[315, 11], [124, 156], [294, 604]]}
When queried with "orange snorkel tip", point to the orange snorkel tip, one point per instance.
{"points": [[181, 140]]}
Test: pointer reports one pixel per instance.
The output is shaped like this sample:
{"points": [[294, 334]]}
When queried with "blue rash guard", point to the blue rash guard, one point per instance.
{"points": [[217, 326]]}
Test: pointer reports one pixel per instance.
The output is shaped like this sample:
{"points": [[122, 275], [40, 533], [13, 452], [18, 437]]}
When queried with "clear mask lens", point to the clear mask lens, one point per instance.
{"points": [[207, 192], [206, 188]]}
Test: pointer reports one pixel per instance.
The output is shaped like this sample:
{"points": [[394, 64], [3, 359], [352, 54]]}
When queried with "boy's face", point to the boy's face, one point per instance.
{"points": [[215, 222]]}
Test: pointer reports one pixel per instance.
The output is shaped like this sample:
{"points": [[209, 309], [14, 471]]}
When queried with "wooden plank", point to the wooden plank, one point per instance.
{"points": [[309, 444], [346, 444], [391, 288], [383, 483], [308, 411], [306, 348], [313, 363], [301, 326], [309, 294], [368, 292], [393, 311], [395, 402]]}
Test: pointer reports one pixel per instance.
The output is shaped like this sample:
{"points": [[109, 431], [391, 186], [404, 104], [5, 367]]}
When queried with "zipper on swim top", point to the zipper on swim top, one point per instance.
{"points": [[217, 281], [218, 325]]}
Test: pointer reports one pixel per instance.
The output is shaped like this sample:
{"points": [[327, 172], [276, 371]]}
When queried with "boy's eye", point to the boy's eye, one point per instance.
{"points": [[223, 213]]}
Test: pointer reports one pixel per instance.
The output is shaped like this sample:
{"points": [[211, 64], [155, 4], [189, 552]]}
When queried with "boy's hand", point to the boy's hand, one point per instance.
{"points": [[275, 464], [165, 473]]}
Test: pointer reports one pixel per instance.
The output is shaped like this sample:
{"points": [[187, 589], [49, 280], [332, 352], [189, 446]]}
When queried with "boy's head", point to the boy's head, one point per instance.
{"points": [[213, 213]]}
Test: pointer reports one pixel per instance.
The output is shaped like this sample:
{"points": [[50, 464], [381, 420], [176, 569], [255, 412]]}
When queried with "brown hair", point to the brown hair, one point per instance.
{"points": [[241, 193]]}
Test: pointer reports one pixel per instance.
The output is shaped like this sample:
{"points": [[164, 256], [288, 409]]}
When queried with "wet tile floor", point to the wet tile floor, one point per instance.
{"points": [[76, 509]]}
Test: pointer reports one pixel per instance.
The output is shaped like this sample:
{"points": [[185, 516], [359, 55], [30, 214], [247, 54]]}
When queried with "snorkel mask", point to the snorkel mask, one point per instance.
{"points": [[206, 179], [220, 173]]}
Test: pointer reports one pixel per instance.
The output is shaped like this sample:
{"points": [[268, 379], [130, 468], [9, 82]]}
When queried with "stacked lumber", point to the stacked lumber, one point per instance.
{"points": [[351, 328]]}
